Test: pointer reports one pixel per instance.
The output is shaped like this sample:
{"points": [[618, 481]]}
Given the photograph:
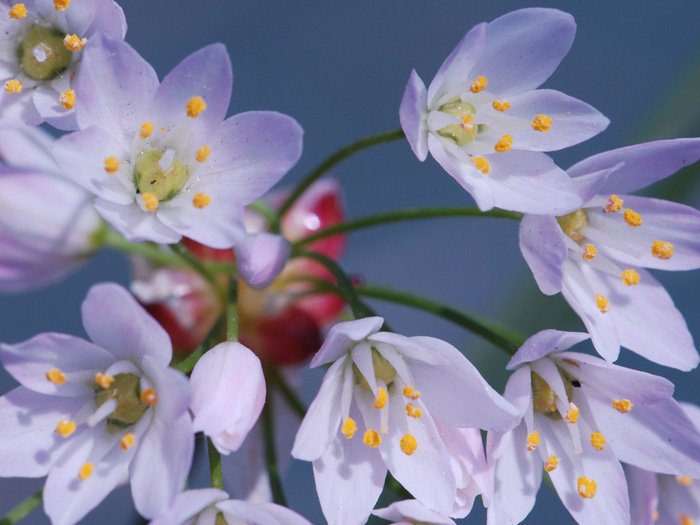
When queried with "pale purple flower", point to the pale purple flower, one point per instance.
{"points": [[595, 255], [202, 506], [228, 394], [385, 403], [48, 226], [88, 413], [160, 158], [409, 512], [486, 123], [261, 257], [40, 52], [581, 417]]}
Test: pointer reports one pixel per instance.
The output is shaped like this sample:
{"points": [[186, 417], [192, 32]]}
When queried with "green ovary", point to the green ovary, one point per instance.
{"points": [[543, 396], [464, 133], [46, 41], [382, 370], [126, 390], [150, 178], [573, 223]]}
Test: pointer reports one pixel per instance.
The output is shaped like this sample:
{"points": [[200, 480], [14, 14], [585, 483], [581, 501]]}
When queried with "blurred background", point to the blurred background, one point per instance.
{"points": [[340, 69]]}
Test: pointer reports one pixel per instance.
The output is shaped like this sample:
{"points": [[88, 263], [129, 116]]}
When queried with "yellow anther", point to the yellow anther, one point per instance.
{"points": [[632, 218], [481, 164], [467, 123], [630, 277], [65, 428], [18, 11], [349, 427], [60, 5], [533, 441], [504, 144], [146, 129], [13, 86], [56, 376], [408, 444], [103, 380], [597, 441], [501, 105], [67, 99], [413, 411], [586, 487], [686, 520], [662, 250], [623, 406], [655, 515], [614, 204], [111, 164], [381, 398], [85, 471], [542, 123], [74, 42], [410, 393], [602, 303], [478, 85], [684, 480], [201, 200], [150, 201], [551, 463], [149, 397], [372, 438], [127, 441], [589, 252], [572, 414], [195, 106], [203, 153]]}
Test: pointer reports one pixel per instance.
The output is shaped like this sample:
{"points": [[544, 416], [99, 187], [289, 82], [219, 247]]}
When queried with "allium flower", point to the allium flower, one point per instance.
{"points": [[595, 255], [41, 50], [381, 406], [48, 226], [88, 413], [203, 506], [410, 512], [160, 159], [261, 257], [484, 120], [581, 417]]}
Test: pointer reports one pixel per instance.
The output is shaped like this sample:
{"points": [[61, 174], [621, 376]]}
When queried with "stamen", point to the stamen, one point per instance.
{"points": [[349, 427], [504, 144], [590, 252], [65, 428], [630, 277], [586, 487], [572, 414], [542, 123], [85, 471], [614, 204], [478, 85], [623, 406], [684, 480], [67, 99], [195, 106], [150, 201], [203, 153], [381, 398], [410, 393], [149, 397], [467, 123], [551, 463], [408, 444], [127, 441], [662, 250], [18, 11], [533, 441], [166, 160], [597, 441], [13, 86], [60, 5], [655, 515], [501, 105], [146, 129], [201, 200], [56, 376], [372, 438], [632, 218], [481, 164], [413, 411], [686, 520], [111, 164], [74, 43], [103, 380], [602, 303]]}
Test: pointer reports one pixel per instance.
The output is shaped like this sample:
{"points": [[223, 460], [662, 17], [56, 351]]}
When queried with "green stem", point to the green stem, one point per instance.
{"points": [[500, 336], [23, 509], [287, 392], [217, 478], [409, 214], [271, 456], [186, 365], [335, 158], [232, 313], [269, 213], [192, 260], [153, 252]]}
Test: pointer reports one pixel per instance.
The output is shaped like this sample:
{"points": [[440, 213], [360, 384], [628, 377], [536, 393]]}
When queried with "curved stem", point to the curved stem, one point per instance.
{"points": [[409, 214], [199, 266], [23, 509], [153, 252], [335, 158], [217, 478], [269, 213], [232, 311], [271, 456]]}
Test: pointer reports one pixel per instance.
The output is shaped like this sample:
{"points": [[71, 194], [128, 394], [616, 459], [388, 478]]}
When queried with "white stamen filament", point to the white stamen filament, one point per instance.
{"points": [[166, 160], [604, 239], [102, 412]]}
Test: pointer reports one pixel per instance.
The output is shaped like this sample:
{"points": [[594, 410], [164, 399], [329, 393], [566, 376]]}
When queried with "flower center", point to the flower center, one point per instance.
{"points": [[160, 174], [382, 370], [462, 133], [42, 54], [573, 223], [543, 396], [125, 389]]}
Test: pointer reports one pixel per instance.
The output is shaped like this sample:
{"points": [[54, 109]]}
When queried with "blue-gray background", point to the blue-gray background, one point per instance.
{"points": [[340, 69]]}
